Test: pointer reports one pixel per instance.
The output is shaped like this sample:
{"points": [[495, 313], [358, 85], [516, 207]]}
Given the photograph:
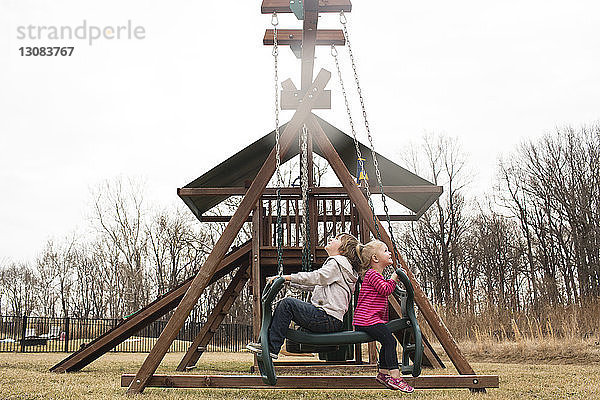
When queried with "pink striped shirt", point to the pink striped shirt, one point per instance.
{"points": [[372, 305]]}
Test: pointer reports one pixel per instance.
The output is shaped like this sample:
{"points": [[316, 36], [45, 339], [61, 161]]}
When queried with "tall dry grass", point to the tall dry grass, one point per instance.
{"points": [[562, 334], [573, 322]]}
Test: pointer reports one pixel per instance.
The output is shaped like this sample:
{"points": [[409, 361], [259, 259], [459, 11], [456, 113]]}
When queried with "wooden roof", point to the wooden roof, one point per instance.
{"points": [[241, 168]]}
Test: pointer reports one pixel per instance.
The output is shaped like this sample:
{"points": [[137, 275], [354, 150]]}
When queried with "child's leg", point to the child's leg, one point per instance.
{"points": [[388, 360], [388, 351]]}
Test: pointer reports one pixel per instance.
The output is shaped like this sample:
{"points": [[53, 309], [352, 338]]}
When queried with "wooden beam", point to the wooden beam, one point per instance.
{"points": [[249, 201], [437, 325], [215, 318], [283, 6], [309, 38], [144, 317], [313, 382], [287, 37]]}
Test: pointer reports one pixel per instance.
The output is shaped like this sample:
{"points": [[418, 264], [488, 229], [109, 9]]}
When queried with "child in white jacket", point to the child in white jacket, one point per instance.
{"points": [[332, 287]]}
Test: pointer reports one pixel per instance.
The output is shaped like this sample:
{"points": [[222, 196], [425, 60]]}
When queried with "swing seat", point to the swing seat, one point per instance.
{"points": [[407, 324], [343, 337]]}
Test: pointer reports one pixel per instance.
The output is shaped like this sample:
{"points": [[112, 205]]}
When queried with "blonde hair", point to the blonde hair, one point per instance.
{"points": [[365, 253], [348, 249]]}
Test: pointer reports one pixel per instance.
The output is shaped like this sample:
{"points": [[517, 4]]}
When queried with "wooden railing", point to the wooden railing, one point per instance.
{"points": [[331, 215]]}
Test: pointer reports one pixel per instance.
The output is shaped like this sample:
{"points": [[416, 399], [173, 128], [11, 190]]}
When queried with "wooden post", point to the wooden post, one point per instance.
{"points": [[215, 318], [309, 36], [231, 230], [427, 310]]}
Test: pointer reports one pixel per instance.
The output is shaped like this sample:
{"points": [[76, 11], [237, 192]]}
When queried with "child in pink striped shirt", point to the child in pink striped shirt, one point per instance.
{"points": [[371, 312]]}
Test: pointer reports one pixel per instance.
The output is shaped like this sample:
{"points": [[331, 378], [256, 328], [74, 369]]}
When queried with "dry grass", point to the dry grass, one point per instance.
{"points": [[572, 322], [552, 351], [26, 376]]}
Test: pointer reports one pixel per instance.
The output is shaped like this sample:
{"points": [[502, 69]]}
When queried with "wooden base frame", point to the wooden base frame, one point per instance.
{"points": [[473, 382]]}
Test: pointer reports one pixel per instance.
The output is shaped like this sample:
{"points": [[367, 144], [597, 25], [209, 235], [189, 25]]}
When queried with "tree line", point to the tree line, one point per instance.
{"points": [[531, 247], [129, 255]]}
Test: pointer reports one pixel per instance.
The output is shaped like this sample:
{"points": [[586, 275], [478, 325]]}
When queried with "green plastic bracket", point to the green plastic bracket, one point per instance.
{"points": [[297, 6]]}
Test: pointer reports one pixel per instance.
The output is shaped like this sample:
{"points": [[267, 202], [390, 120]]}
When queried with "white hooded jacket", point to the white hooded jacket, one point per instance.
{"points": [[332, 285]]}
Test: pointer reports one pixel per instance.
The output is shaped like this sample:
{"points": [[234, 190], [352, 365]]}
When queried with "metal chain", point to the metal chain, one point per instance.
{"points": [[356, 145], [366, 121], [279, 239], [306, 256]]}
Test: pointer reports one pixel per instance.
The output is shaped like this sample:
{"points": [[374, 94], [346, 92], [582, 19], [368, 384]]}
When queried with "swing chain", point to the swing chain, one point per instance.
{"points": [[279, 239], [306, 255], [334, 53], [366, 121]]}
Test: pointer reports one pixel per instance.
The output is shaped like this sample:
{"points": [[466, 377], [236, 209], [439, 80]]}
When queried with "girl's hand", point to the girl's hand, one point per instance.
{"points": [[394, 277]]}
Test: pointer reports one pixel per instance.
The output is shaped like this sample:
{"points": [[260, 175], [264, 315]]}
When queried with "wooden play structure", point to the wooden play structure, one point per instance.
{"points": [[290, 226]]}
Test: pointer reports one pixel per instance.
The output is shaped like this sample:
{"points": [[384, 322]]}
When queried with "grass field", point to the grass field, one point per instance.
{"points": [[26, 376]]}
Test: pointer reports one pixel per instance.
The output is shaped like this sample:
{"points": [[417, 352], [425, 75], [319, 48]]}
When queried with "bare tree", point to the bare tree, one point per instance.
{"points": [[19, 283], [118, 212], [176, 249], [47, 276], [434, 242], [56, 263], [553, 187]]}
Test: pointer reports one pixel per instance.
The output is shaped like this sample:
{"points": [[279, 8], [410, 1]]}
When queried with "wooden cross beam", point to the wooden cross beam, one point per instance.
{"points": [[229, 234], [327, 6], [287, 37], [214, 319], [474, 382]]}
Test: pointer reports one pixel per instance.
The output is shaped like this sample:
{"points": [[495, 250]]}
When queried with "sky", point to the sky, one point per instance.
{"points": [[196, 86]]}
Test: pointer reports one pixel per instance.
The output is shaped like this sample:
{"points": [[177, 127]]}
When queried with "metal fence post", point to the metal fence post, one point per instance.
{"points": [[67, 334], [23, 331]]}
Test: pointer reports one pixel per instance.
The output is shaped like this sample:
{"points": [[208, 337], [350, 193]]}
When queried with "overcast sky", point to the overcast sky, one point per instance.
{"points": [[199, 87]]}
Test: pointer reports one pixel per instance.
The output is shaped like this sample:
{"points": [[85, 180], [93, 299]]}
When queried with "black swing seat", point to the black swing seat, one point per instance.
{"points": [[412, 344], [342, 337]]}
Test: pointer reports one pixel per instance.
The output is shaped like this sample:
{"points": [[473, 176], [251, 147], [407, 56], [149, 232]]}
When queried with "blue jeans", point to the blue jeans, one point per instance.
{"points": [[302, 313]]}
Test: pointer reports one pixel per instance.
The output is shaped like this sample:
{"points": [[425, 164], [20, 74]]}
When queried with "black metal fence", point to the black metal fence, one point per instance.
{"points": [[47, 334]]}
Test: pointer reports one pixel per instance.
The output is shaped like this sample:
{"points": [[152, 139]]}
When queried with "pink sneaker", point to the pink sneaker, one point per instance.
{"points": [[399, 384], [382, 378]]}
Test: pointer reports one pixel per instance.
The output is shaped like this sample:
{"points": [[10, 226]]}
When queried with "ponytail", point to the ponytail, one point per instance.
{"points": [[360, 250], [365, 253]]}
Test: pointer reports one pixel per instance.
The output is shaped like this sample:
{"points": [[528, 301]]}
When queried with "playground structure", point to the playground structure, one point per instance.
{"points": [[329, 210]]}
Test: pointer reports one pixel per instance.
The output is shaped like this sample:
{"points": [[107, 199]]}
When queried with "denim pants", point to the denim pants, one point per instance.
{"points": [[302, 313], [388, 359]]}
